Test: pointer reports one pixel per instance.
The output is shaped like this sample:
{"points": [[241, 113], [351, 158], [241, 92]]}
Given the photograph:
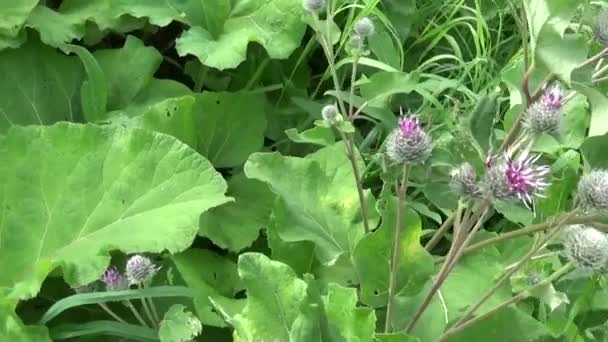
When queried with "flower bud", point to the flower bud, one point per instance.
{"points": [[140, 270], [356, 42], [330, 114], [545, 115], [586, 247], [601, 27], [114, 280], [593, 191], [463, 180], [314, 6], [408, 143], [364, 27]]}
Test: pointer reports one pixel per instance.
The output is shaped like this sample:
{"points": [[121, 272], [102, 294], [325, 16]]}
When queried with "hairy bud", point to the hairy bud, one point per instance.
{"points": [[314, 6], [463, 180], [356, 42], [586, 247], [408, 143], [601, 27], [114, 280], [364, 27], [545, 115], [140, 270], [330, 114], [593, 191]]}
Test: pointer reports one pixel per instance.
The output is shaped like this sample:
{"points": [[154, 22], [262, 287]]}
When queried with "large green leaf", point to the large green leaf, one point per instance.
{"points": [[128, 70], [222, 42], [373, 256], [72, 193], [236, 225], [274, 297], [317, 202], [232, 126], [599, 109], [179, 325], [593, 151], [559, 53], [353, 323], [210, 276], [41, 86], [13, 14]]}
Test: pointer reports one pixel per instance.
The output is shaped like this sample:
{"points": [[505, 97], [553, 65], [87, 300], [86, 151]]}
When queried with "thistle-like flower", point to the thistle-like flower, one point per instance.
{"points": [[331, 114], [409, 143], [114, 280], [586, 247], [510, 178], [601, 27], [140, 270], [593, 191], [314, 6], [364, 27], [463, 180], [544, 116]]}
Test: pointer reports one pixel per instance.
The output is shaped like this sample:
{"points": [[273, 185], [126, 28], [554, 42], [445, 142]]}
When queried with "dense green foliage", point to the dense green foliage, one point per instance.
{"points": [[262, 154]]}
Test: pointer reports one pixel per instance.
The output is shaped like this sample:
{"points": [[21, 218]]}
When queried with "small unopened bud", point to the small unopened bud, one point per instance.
{"points": [[409, 143], [463, 180], [600, 28], [364, 27], [533, 278], [586, 247], [593, 191], [356, 42], [331, 114], [140, 270], [314, 6], [114, 280]]}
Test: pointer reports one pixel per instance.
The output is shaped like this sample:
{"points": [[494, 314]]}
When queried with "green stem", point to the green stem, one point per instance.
{"points": [[258, 72], [111, 313], [147, 310], [353, 79], [439, 233], [462, 324], [401, 190], [350, 151], [136, 314], [469, 237]]}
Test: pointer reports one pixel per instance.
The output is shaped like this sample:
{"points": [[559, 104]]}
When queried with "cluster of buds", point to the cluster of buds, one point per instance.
{"points": [[331, 114], [362, 29], [586, 247], [545, 115], [409, 143], [139, 270]]}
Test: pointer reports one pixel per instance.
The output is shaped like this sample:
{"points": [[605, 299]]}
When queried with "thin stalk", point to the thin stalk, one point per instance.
{"points": [[353, 79], [144, 305], [526, 231], [441, 276], [440, 232], [111, 313], [400, 189], [136, 314], [516, 299], [152, 308], [468, 239], [258, 72], [524, 35], [350, 145]]}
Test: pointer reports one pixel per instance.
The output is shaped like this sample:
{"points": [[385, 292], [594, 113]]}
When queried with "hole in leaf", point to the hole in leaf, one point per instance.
{"points": [[376, 292], [240, 295]]}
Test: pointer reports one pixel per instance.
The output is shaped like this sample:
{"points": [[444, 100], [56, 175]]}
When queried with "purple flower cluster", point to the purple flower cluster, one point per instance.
{"points": [[409, 143], [545, 115]]}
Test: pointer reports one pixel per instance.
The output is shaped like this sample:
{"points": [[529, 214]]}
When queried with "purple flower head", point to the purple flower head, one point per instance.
{"points": [[525, 179], [113, 279], [409, 126], [510, 178], [408, 142], [553, 98]]}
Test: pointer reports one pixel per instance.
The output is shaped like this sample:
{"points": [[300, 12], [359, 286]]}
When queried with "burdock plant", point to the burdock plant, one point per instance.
{"points": [[545, 115], [593, 191], [409, 143], [586, 247]]}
